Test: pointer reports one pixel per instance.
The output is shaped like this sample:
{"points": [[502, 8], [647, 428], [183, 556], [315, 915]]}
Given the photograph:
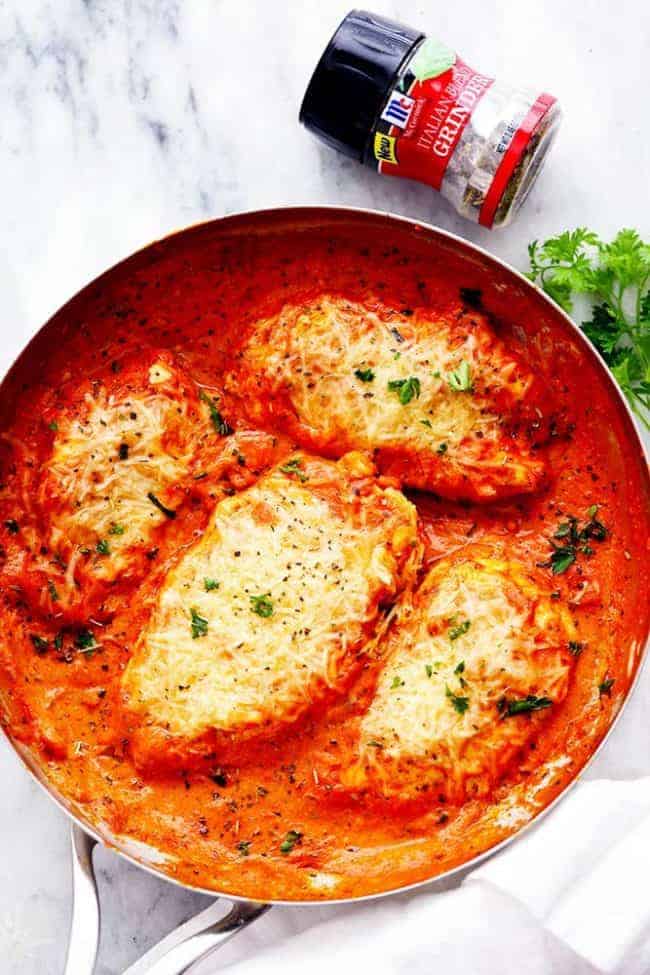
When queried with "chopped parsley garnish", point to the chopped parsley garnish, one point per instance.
{"points": [[594, 528], [428, 670], [40, 643], [365, 375], [568, 529], [406, 389], [575, 647], [442, 449], [460, 668], [53, 426], [291, 839], [397, 682], [220, 425], [373, 743], [293, 467], [562, 558], [244, 847], [457, 631], [460, 380], [210, 584], [606, 686], [58, 640], [116, 529], [103, 547], [524, 706], [199, 624], [575, 541], [262, 605], [85, 641], [12, 526], [460, 704], [168, 512], [51, 588], [426, 423]]}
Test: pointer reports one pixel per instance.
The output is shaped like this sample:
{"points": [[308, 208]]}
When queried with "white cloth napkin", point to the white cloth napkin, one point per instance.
{"points": [[571, 896]]}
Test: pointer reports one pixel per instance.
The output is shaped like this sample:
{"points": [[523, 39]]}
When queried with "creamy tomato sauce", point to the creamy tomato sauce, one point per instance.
{"points": [[262, 825]]}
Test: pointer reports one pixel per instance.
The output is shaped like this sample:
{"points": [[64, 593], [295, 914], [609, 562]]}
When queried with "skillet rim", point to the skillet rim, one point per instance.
{"points": [[308, 213]]}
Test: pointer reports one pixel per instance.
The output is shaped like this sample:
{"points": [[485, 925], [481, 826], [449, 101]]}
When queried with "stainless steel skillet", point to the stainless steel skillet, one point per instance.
{"points": [[214, 926]]}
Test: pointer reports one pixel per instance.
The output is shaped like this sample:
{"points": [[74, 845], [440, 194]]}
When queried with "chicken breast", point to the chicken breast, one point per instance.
{"points": [[120, 448], [440, 401], [476, 659], [271, 610]]}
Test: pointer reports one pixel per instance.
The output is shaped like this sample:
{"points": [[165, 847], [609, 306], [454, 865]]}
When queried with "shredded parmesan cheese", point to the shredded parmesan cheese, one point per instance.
{"points": [[270, 608], [480, 633], [108, 458], [337, 372]]}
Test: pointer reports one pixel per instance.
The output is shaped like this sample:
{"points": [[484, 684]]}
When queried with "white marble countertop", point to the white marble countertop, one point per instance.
{"points": [[124, 120]]}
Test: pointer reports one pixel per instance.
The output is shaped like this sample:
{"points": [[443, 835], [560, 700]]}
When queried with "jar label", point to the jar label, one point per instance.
{"points": [[426, 113]]}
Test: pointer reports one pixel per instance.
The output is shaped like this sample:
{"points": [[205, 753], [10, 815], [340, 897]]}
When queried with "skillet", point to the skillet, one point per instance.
{"points": [[509, 290]]}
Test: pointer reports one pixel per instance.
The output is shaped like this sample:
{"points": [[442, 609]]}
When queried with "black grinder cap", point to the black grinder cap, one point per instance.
{"points": [[352, 79]]}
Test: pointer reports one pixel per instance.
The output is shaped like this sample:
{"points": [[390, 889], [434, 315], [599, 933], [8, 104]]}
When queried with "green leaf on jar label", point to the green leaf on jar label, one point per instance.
{"points": [[433, 58]]}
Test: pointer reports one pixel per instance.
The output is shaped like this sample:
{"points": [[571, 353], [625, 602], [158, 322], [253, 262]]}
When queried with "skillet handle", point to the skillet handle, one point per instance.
{"points": [[180, 951], [84, 927], [175, 954]]}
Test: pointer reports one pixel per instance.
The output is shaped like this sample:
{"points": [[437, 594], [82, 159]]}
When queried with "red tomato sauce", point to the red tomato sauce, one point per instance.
{"points": [[193, 294]]}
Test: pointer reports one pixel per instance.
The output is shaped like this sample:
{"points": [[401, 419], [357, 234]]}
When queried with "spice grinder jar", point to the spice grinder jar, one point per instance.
{"points": [[408, 105]]}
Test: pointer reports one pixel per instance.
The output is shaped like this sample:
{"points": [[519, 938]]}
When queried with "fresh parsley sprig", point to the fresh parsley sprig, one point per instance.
{"points": [[615, 277]]}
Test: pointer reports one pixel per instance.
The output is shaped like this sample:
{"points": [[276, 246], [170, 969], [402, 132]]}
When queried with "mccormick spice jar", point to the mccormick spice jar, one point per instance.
{"points": [[407, 105]]}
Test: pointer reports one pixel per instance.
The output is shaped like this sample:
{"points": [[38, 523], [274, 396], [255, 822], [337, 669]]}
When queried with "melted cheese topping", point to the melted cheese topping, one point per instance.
{"points": [[108, 457], [269, 609], [330, 374], [479, 634]]}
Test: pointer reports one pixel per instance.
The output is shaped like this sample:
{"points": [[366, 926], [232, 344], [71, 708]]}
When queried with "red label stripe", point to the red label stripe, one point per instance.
{"points": [[511, 157]]}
